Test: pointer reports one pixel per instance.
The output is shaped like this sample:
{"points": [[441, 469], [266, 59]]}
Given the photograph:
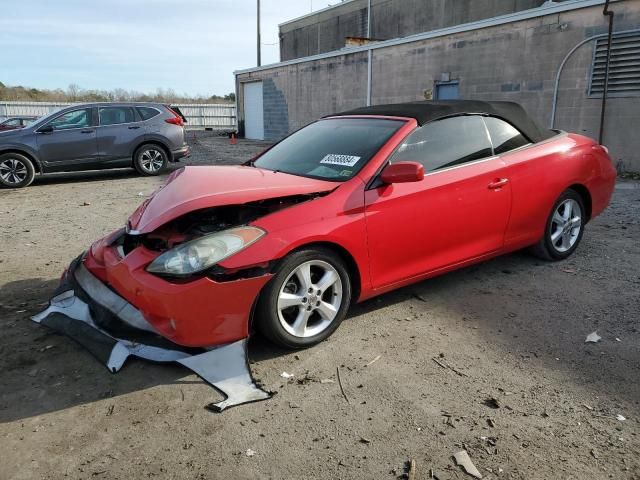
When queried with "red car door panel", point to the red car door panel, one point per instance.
{"points": [[450, 216]]}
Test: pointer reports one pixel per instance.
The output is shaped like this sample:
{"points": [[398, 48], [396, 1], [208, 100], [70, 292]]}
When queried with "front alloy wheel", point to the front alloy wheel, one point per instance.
{"points": [[309, 299], [16, 171], [306, 299]]}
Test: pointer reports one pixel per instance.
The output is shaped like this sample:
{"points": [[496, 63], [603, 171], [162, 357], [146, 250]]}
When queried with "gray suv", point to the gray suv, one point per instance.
{"points": [[145, 136]]}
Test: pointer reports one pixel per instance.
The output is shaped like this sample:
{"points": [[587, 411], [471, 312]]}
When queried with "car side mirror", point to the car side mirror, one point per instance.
{"points": [[402, 172], [45, 129]]}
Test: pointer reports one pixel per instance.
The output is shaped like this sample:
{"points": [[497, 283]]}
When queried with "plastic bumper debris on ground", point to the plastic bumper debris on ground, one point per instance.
{"points": [[113, 330]]}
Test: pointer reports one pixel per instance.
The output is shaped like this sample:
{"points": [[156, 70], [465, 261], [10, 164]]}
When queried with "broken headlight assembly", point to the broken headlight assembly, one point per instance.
{"points": [[203, 253]]}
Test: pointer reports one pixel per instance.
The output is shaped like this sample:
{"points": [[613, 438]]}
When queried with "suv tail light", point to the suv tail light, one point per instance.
{"points": [[176, 120]]}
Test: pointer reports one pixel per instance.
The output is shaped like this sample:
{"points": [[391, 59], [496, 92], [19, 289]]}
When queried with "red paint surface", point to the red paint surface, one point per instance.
{"points": [[198, 313], [204, 187], [394, 234]]}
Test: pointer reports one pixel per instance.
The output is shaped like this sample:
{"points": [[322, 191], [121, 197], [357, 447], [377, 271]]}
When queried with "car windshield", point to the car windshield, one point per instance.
{"points": [[332, 149]]}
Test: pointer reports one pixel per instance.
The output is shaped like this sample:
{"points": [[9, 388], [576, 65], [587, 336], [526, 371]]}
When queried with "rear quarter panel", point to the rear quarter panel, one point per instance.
{"points": [[539, 174], [160, 131]]}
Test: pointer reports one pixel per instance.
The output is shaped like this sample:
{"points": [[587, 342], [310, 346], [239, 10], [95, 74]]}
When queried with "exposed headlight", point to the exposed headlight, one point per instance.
{"points": [[203, 253]]}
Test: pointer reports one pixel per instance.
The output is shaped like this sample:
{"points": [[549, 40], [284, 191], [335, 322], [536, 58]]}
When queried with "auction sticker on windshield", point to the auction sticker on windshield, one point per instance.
{"points": [[342, 160]]}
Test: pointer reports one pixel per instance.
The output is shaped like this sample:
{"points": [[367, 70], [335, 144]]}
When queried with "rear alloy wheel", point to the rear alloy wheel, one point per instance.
{"points": [[306, 300], [150, 160], [16, 171], [565, 227]]}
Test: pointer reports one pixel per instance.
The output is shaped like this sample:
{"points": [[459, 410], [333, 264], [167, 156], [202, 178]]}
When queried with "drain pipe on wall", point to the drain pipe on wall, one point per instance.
{"points": [[369, 74], [610, 14], [369, 55]]}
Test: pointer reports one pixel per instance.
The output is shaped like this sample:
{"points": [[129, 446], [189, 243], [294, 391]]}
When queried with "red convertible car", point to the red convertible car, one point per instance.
{"points": [[349, 207]]}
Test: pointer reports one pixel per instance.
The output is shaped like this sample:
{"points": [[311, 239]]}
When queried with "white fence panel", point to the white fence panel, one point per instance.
{"points": [[206, 115], [33, 109], [217, 116]]}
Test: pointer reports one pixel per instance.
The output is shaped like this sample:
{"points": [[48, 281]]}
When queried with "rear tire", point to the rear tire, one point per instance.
{"points": [[306, 300], [564, 228], [150, 159], [16, 171]]}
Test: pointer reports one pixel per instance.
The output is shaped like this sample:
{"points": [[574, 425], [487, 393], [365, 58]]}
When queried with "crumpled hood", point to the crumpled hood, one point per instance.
{"points": [[195, 188]]}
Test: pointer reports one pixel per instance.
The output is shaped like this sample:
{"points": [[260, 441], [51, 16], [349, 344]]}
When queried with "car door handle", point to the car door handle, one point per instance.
{"points": [[498, 183], [134, 127], [89, 130]]}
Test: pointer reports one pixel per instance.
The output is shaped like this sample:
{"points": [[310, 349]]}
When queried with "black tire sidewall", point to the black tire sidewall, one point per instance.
{"points": [[551, 250], [137, 160], [31, 171], [267, 318]]}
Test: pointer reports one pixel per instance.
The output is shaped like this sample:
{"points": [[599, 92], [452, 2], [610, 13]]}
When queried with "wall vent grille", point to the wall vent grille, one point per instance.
{"points": [[624, 68]]}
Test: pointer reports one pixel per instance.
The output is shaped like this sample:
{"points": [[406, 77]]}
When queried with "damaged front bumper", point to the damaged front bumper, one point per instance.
{"points": [[112, 329], [200, 312]]}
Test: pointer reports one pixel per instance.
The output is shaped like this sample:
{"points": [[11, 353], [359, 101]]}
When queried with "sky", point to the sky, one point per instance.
{"points": [[190, 46]]}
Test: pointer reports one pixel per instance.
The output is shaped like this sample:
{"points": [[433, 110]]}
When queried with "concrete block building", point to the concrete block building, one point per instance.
{"points": [[550, 57]]}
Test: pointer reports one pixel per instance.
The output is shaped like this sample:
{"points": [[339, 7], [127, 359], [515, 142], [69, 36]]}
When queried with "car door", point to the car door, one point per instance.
{"points": [[69, 140], [120, 131], [459, 211], [531, 169]]}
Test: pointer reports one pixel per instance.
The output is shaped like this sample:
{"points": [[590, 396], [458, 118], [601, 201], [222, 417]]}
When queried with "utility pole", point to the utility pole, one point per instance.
{"points": [[259, 58]]}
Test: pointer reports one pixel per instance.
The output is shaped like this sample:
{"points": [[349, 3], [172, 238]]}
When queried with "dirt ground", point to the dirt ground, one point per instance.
{"points": [[491, 358]]}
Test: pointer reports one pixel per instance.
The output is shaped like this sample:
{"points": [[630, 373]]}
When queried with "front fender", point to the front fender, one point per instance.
{"points": [[24, 150], [337, 219]]}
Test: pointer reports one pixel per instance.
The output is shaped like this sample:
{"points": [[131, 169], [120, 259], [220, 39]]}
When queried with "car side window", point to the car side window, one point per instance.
{"points": [[504, 136], [147, 112], [446, 143], [116, 115], [15, 122], [73, 119]]}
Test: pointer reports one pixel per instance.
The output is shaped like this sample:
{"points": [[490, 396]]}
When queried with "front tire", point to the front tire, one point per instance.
{"points": [[306, 300], [150, 159], [564, 228], [16, 171]]}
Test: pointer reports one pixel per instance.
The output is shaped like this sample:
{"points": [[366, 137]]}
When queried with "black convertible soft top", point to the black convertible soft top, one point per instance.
{"points": [[427, 111]]}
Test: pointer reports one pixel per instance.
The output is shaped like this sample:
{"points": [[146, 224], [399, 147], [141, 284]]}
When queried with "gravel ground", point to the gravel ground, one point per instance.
{"points": [[491, 358]]}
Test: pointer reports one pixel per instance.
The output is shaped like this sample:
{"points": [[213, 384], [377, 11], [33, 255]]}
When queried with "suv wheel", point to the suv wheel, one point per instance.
{"points": [[16, 171], [150, 159]]}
